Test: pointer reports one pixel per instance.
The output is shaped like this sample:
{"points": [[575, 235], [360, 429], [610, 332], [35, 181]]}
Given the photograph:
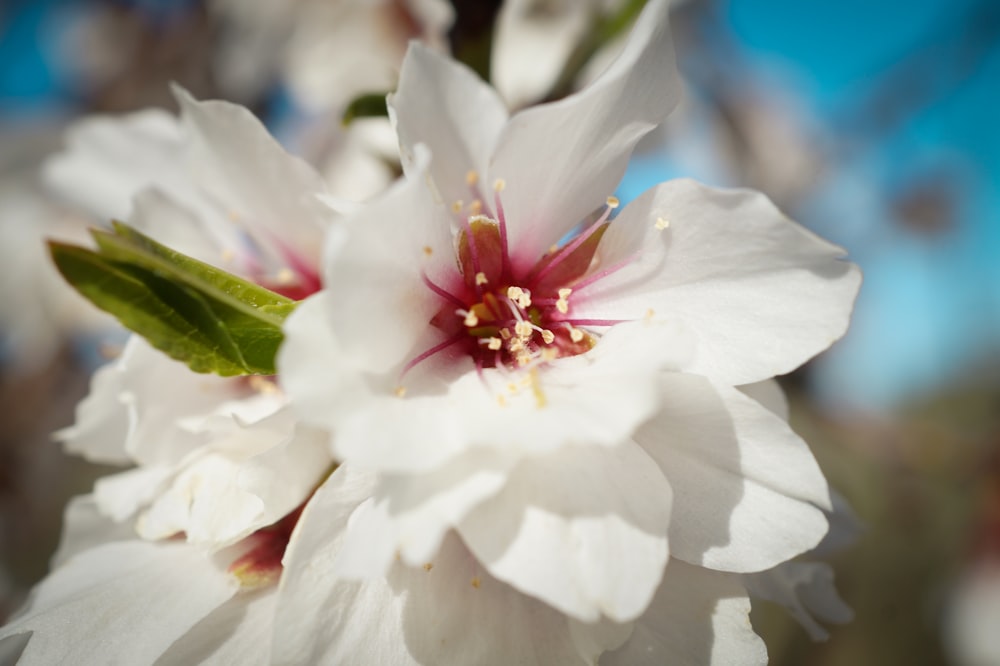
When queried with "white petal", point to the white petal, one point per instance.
{"points": [[392, 242], [451, 612], [238, 632], [562, 160], [769, 394], [531, 46], [762, 294], [416, 511], [698, 617], [101, 425], [120, 603], [448, 108], [108, 160], [594, 398], [804, 589], [85, 527], [746, 488], [120, 496], [584, 529], [179, 228], [251, 180]]}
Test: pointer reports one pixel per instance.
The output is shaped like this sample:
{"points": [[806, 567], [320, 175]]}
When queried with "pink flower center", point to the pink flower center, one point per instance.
{"points": [[505, 317]]}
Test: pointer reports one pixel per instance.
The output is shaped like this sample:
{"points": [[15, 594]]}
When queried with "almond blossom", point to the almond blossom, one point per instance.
{"points": [[566, 407]]}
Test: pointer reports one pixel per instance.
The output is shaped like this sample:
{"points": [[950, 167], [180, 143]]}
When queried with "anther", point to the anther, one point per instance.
{"points": [[499, 184], [548, 336], [456, 206], [481, 278], [471, 320], [494, 343], [613, 202], [523, 329], [400, 391], [662, 223], [471, 177], [575, 334], [476, 207]]}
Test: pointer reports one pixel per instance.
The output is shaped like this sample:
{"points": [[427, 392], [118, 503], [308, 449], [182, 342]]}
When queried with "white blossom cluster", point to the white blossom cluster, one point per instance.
{"points": [[513, 422]]}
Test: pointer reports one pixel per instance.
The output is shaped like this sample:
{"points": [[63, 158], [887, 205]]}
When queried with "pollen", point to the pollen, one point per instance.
{"points": [[400, 391], [471, 320], [520, 296], [523, 329], [494, 343], [457, 205], [505, 333], [285, 276], [499, 184], [650, 313], [428, 250], [613, 202], [548, 336], [575, 334], [662, 223], [476, 582], [481, 278], [476, 207], [428, 566], [562, 305], [471, 177]]}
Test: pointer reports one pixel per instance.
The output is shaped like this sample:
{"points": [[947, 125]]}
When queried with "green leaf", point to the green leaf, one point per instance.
{"points": [[196, 313]]}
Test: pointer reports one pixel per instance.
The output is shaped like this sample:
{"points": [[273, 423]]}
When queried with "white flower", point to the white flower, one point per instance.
{"points": [[566, 407], [216, 459], [113, 599], [450, 610]]}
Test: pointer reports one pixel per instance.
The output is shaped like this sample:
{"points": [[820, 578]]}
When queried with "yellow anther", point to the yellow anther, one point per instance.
{"points": [[505, 333], [471, 177], [564, 293], [476, 207], [499, 184], [476, 582], [548, 336], [613, 202], [562, 305], [515, 345], [494, 343], [471, 320], [263, 385], [400, 391], [662, 223], [457, 205], [481, 278], [550, 354], [523, 329], [428, 250], [501, 400], [285, 276], [428, 566], [575, 334], [649, 314]]}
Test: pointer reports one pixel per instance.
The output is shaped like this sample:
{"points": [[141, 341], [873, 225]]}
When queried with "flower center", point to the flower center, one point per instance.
{"points": [[504, 317]]}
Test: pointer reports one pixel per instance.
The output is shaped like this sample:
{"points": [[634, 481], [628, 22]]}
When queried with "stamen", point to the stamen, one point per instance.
{"points": [[661, 223], [471, 320], [575, 334], [473, 252], [481, 278], [476, 207], [441, 346], [520, 296], [523, 329], [448, 296], [499, 184], [494, 343], [400, 391], [595, 322], [471, 177], [548, 336], [562, 305], [613, 202], [456, 207]]}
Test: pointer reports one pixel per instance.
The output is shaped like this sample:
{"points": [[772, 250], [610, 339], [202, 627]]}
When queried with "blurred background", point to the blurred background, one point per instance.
{"points": [[872, 123]]}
